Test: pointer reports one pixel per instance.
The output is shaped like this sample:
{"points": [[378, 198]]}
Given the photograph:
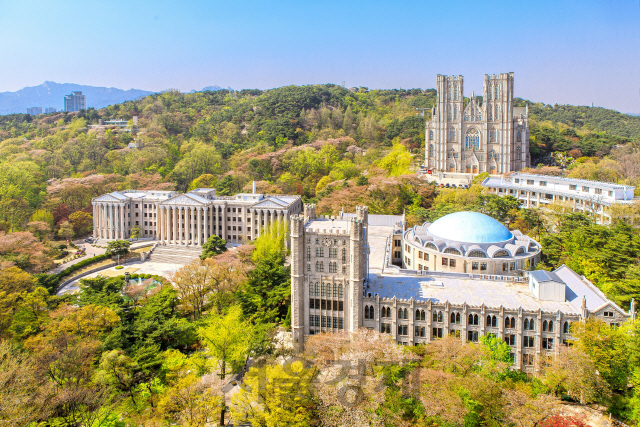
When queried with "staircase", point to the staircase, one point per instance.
{"points": [[175, 254]]}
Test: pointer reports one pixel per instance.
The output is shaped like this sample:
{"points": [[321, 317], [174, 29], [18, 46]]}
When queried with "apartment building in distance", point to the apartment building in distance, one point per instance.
{"points": [[34, 111], [75, 101], [599, 199]]}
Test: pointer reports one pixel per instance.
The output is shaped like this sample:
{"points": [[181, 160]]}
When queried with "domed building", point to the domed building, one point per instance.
{"points": [[469, 242]]}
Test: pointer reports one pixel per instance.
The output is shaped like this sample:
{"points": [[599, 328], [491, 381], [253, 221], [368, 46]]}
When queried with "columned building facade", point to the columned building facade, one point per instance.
{"points": [[474, 136], [190, 218]]}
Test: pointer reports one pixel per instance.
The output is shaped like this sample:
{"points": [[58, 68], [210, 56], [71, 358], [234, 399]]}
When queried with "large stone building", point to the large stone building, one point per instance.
{"points": [[598, 199], [469, 136], [190, 218], [343, 278]]}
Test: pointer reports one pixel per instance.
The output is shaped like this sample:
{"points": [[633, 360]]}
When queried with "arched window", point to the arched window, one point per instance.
{"points": [[453, 318], [496, 112], [430, 135], [489, 321], [452, 251], [532, 325], [431, 147], [494, 322], [452, 154], [455, 111], [456, 91], [439, 316], [449, 92], [520, 250], [449, 115], [519, 137], [496, 93], [490, 92], [518, 153], [434, 316], [545, 325], [366, 311], [431, 246], [475, 319], [422, 315], [472, 140], [417, 315], [329, 290], [513, 322], [476, 254], [470, 321], [489, 115], [565, 328], [452, 134], [493, 135], [340, 295], [406, 313], [526, 324], [317, 289], [501, 254], [322, 290], [507, 322], [457, 317], [383, 312], [550, 325], [400, 313]]}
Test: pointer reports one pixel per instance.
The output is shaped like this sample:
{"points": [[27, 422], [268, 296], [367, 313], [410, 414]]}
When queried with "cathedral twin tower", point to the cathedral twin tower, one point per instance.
{"points": [[477, 135]]}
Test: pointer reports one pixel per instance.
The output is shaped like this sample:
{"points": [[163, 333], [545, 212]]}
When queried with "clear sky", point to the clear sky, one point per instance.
{"points": [[567, 52]]}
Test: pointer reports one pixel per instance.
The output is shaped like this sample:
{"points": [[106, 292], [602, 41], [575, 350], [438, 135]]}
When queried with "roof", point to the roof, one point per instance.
{"points": [[320, 225], [545, 276], [377, 220], [460, 290], [577, 287], [470, 227], [571, 180]]}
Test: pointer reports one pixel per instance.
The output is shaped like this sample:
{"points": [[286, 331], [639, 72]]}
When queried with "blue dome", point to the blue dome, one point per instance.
{"points": [[470, 227]]}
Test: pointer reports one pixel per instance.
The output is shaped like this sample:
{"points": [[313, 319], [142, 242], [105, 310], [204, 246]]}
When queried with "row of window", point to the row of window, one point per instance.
{"points": [[326, 305], [335, 241], [333, 267], [473, 319], [325, 290], [333, 253], [316, 320]]}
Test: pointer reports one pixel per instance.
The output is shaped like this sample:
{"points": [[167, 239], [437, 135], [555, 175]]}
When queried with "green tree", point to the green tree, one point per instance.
{"points": [[66, 231], [215, 245], [135, 232], [81, 222], [118, 247], [397, 162], [274, 396]]}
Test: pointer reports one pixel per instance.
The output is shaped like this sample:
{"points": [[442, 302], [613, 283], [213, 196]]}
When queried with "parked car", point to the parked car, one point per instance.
{"points": [[447, 185], [429, 171], [466, 186], [441, 185], [89, 240]]}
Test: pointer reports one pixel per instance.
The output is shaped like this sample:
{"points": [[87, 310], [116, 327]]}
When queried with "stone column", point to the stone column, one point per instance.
{"points": [[111, 225], [95, 221], [199, 211], [180, 224], [174, 219], [252, 221], [159, 223], [123, 228], [103, 220], [206, 222]]}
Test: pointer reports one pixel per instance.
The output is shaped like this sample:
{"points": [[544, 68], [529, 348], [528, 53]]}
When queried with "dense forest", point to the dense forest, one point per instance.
{"points": [[152, 353]]}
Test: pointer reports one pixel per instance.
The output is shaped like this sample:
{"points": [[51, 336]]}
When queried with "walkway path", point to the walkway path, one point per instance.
{"points": [[90, 250]]}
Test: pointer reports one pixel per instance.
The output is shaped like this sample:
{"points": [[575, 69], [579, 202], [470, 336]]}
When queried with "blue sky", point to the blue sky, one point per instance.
{"points": [[567, 52]]}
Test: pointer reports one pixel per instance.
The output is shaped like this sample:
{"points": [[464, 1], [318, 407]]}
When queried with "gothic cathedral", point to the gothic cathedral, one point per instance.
{"points": [[477, 135]]}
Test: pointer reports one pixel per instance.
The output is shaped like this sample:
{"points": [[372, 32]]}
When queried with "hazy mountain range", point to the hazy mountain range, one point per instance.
{"points": [[51, 94]]}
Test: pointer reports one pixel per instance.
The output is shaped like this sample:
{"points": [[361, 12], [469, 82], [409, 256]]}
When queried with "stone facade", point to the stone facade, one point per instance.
{"points": [[334, 289], [491, 136], [190, 218], [328, 269]]}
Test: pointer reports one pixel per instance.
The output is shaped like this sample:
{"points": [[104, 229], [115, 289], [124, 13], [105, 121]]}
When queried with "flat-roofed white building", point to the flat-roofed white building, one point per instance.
{"points": [[580, 195], [189, 218]]}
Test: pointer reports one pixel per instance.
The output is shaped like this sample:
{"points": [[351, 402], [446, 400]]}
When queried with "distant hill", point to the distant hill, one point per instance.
{"points": [[51, 94], [212, 89]]}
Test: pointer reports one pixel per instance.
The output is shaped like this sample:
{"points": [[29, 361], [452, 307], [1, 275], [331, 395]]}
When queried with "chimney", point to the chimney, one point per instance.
{"points": [[254, 187]]}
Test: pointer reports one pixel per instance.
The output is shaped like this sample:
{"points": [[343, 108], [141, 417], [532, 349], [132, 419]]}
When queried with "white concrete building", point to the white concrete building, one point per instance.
{"points": [[580, 195], [190, 218]]}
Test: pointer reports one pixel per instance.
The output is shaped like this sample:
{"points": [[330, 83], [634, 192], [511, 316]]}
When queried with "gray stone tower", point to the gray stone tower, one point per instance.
{"points": [[489, 136], [297, 280], [329, 258]]}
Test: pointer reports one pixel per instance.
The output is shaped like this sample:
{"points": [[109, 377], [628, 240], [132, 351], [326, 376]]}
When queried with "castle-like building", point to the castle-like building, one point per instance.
{"points": [[469, 136], [465, 275]]}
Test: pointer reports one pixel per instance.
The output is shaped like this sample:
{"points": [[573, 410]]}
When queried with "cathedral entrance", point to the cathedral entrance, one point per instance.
{"points": [[475, 168], [492, 170], [452, 168], [468, 169]]}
